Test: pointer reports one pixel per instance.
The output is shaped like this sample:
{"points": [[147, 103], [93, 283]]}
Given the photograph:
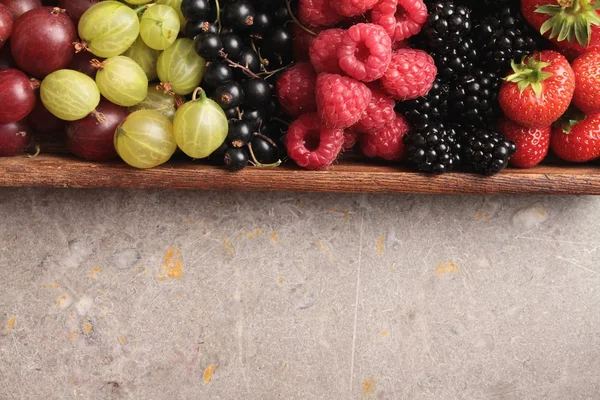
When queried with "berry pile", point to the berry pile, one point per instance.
{"points": [[445, 85], [247, 45]]}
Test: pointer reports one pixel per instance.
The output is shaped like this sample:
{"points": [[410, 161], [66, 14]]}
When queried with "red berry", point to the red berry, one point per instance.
{"points": [[401, 19], [587, 82], [323, 51], [577, 140], [365, 52], [311, 145], [302, 42], [352, 8], [388, 143], [410, 75], [341, 101], [380, 112], [539, 90], [317, 13], [350, 138], [296, 89], [532, 143]]}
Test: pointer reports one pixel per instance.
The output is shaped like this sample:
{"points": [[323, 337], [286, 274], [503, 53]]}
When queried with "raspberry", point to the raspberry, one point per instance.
{"points": [[365, 52], [323, 51], [350, 138], [317, 13], [410, 75], [341, 101], [296, 89], [401, 44], [352, 8], [401, 19], [302, 43], [388, 143], [311, 145], [380, 112]]}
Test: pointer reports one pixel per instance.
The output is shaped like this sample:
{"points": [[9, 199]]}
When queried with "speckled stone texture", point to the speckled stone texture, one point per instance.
{"points": [[191, 295]]}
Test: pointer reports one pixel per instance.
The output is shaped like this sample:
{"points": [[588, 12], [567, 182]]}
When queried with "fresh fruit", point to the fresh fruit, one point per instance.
{"points": [[532, 143], [6, 59], [323, 51], [352, 8], [311, 145], [433, 148], [296, 90], [195, 10], [69, 95], [208, 45], [571, 25], [41, 41], [539, 90], [446, 27], [365, 52], [401, 19], [75, 8], [200, 126], [145, 139], [388, 142], [236, 159], [18, 95], [6, 25], [108, 28], [179, 68], [43, 121], [341, 101], [145, 57], [239, 14], [458, 61], [410, 75], [217, 73], [14, 138], [92, 138], [433, 107], [587, 82], [158, 100], [239, 134], [264, 151], [159, 26], [379, 114], [257, 92], [474, 99], [486, 151], [317, 13], [20, 7], [229, 95], [577, 137], [82, 63], [175, 5], [121, 81]]}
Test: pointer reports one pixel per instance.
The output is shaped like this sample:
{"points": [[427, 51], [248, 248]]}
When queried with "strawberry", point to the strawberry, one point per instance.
{"points": [[539, 90], [532, 143], [577, 138], [570, 24], [587, 82]]}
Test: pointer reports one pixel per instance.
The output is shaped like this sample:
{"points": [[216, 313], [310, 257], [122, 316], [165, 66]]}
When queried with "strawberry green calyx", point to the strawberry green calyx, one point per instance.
{"points": [[529, 73], [570, 20], [570, 119]]}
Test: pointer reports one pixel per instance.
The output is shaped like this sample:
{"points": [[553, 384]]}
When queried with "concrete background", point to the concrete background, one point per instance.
{"points": [[191, 295]]}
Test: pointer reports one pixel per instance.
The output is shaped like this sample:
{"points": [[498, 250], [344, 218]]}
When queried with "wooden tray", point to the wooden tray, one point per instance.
{"points": [[64, 171]]}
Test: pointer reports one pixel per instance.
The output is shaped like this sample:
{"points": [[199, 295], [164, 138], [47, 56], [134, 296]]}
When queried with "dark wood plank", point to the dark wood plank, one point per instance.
{"points": [[63, 171]]}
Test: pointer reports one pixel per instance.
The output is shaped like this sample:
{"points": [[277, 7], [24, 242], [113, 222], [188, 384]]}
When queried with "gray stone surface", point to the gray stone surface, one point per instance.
{"points": [[140, 295]]}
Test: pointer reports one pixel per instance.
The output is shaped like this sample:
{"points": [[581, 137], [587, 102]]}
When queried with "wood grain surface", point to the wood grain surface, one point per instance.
{"points": [[63, 171]]}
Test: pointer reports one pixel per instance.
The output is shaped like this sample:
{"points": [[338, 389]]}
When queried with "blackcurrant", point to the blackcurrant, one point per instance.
{"points": [[281, 40], [208, 45], [239, 15], [282, 15], [217, 73], [232, 113], [232, 45], [256, 117], [229, 95], [265, 151], [194, 28], [273, 107], [248, 59], [257, 92], [194, 10], [263, 22], [240, 133], [236, 159], [219, 155]]}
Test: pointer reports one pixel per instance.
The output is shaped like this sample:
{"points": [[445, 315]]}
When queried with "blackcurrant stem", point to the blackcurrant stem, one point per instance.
{"points": [[280, 120], [270, 74], [236, 65], [263, 61], [218, 15], [289, 7], [258, 164], [268, 139], [240, 113]]}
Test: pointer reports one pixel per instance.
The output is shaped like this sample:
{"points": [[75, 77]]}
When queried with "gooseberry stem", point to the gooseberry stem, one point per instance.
{"points": [[202, 94], [94, 62]]}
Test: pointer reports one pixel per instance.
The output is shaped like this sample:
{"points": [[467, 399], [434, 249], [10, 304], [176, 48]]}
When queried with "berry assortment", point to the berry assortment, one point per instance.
{"points": [[455, 85]]}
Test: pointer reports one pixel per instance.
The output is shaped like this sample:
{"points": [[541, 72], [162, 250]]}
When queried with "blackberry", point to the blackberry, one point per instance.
{"points": [[484, 7], [448, 24], [474, 98], [504, 37], [433, 148], [458, 62], [486, 151], [431, 108]]}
